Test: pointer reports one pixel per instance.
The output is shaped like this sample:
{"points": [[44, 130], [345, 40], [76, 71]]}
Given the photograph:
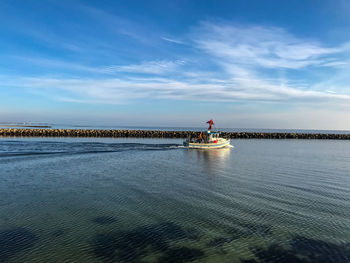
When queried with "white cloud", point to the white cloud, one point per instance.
{"points": [[119, 91], [239, 56], [148, 67], [157, 67], [172, 40], [266, 47]]}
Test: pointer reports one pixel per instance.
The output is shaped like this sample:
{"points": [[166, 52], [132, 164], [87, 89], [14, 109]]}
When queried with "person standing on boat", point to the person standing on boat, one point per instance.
{"points": [[211, 123], [200, 137], [205, 139]]}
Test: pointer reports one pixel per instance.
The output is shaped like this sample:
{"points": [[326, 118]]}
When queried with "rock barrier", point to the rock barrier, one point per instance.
{"points": [[161, 134]]}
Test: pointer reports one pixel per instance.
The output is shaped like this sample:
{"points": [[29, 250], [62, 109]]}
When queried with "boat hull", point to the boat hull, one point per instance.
{"points": [[222, 144]]}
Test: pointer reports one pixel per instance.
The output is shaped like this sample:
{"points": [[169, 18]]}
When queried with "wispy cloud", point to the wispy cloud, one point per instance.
{"points": [[233, 63], [118, 25], [119, 91], [148, 67], [157, 67], [266, 47], [173, 40]]}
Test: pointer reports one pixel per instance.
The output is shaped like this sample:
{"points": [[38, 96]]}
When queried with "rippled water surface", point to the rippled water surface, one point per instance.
{"points": [[123, 200]]}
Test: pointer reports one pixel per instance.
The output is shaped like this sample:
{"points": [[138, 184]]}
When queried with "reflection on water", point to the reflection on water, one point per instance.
{"points": [[211, 159], [215, 155], [76, 200]]}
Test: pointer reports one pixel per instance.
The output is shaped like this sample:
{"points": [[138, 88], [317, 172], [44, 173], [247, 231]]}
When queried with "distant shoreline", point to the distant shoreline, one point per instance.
{"points": [[24, 126], [14, 132]]}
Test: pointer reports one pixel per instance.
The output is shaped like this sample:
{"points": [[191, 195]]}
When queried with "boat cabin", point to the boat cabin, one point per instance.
{"points": [[206, 137], [213, 136]]}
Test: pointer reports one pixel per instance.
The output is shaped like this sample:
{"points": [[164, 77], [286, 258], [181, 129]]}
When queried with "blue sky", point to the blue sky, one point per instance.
{"points": [[254, 64]]}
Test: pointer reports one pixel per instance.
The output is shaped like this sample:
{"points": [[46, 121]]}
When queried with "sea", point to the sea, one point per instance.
{"points": [[152, 200]]}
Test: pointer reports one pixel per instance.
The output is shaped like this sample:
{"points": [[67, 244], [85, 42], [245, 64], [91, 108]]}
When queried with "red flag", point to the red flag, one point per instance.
{"points": [[210, 124]]}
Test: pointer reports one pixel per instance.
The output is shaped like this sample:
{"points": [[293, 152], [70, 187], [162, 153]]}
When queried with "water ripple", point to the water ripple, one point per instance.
{"points": [[132, 201]]}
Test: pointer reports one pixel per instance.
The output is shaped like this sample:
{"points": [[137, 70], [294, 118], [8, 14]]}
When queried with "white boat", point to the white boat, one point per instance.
{"points": [[207, 140]]}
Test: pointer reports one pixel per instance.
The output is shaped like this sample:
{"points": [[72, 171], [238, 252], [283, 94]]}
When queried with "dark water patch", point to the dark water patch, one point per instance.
{"points": [[13, 241], [235, 233], [130, 246], [302, 250], [321, 251], [104, 220], [249, 261], [241, 230], [192, 234], [58, 232], [245, 230], [181, 254], [276, 254], [256, 229], [218, 242]]}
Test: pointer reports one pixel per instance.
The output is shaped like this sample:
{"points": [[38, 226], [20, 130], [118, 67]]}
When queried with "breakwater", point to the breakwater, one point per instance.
{"points": [[161, 134]]}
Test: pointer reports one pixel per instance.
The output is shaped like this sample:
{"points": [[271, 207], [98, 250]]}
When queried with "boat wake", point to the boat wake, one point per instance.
{"points": [[32, 148]]}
